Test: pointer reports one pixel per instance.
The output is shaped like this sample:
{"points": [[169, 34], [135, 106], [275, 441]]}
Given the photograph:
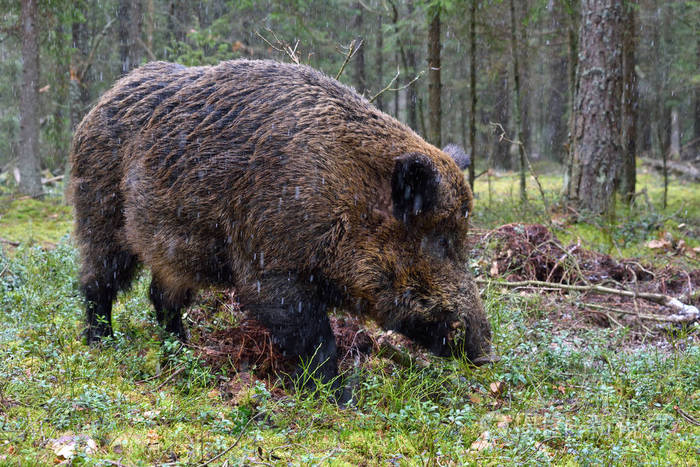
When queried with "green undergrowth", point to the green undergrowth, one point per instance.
{"points": [[564, 397], [573, 399]]}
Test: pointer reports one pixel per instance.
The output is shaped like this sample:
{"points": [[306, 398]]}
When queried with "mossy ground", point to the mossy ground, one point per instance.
{"points": [[556, 397]]}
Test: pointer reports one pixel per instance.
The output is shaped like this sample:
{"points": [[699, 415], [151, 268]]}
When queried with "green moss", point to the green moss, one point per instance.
{"points": [[30, 221]]}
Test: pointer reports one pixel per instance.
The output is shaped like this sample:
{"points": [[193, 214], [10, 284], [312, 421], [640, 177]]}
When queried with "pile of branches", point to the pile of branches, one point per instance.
{"points": [[529, 256], [531, 252]]}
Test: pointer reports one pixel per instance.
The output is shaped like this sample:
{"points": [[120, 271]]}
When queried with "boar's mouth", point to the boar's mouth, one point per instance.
{"points": [[451, 340]]}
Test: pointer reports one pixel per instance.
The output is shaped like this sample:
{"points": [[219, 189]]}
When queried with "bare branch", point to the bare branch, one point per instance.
{"points": [[352, 50], [282, 46], [88, 61], [684, 313], [388, 86]]}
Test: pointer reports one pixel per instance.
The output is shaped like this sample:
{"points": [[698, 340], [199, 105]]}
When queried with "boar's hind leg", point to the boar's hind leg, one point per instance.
{"points": [[168, 305], [100, 283]]}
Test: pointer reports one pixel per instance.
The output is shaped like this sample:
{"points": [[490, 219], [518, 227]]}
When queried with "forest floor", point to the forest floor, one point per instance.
{"points": [[584, 378]]}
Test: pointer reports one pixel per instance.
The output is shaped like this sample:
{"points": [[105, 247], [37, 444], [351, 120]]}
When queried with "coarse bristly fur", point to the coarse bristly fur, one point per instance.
{"points": [[283, 183]]}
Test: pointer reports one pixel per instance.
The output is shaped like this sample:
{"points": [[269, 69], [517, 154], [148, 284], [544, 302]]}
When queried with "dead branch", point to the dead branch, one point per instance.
{"points": [[686, 170], [88, 61], [605, 309], [147, 49], [45, 181], [388, 86], [352, 50], [282, 46], [235, 443], [689, 418], [684, 313], [8, 242]]}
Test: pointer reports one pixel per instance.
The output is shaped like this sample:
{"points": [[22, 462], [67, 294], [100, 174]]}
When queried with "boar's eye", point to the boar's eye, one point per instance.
{"points": [[438, 246]]}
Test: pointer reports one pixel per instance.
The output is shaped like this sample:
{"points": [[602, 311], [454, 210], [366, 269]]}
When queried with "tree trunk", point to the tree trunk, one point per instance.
{"points": [[80, 74], [472, 90], [553, 113], [379, 61], [434, 84], [697, 96], [630, 99], [28, 164], [597, 146], [129, 32], [359, 76], [516, 101], [573, 66], [410, 70]]}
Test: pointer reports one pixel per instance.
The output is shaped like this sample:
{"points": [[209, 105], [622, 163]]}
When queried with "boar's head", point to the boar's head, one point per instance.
{"points": [[427, 291]]}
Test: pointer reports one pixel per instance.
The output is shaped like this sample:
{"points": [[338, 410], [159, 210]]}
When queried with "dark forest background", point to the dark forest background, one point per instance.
{"points": [[513, 63]]}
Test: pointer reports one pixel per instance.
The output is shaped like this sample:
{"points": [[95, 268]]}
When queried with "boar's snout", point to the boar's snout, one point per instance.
{"points": [[471, 331]]}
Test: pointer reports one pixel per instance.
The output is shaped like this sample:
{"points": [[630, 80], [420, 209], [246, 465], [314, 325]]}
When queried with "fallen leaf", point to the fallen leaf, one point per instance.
{"points": [[66, 446], [475, 398], [494, 269], [482, 442], [658, 244], [152, 436], [497, 388], [504, 421]]}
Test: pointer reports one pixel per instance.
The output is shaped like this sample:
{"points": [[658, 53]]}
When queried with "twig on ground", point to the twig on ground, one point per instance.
{"points": [[605, 309], [228, 449], [684, 313], [169, 378], [8, 242], [689, 418], [393, 353]]}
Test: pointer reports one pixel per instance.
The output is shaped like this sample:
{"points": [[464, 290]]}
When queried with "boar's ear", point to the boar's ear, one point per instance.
{"points": [[414, 185], [457, 153]]}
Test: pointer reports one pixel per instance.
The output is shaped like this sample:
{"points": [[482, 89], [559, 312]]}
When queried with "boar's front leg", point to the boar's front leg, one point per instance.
{"points": [[298, 320]]}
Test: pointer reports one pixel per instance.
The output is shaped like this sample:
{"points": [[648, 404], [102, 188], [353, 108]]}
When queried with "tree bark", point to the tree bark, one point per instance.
{"points": [[630, 105], [573, 66], [517, 101], [360, 77], [379, 61], [472, 90], [80, 73], [410, 67], [434, 84], [28, 164], [129, 32], [697, 96], [597, 146]]}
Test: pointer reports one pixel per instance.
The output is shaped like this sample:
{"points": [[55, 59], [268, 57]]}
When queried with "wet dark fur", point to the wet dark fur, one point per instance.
{"points": [[283, 183]]}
